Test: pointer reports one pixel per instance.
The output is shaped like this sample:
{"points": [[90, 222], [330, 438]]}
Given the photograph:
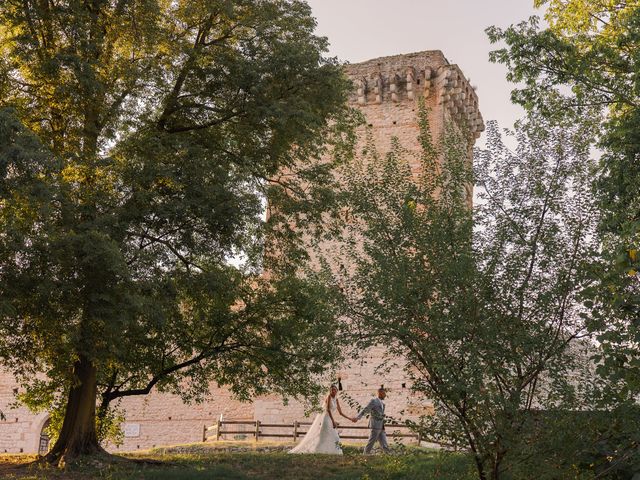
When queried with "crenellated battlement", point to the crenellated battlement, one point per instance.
{"points": [[403, 78]]}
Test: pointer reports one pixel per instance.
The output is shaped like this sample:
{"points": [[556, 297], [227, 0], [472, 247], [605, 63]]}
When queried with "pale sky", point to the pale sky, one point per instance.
{"points": [[359, 30]]}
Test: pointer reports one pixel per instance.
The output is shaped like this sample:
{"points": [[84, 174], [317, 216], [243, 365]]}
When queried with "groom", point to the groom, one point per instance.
{"points": [[376, 422]]}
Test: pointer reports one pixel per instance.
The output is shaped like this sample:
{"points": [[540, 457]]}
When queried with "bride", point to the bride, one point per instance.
{"points": [[322, 436]]}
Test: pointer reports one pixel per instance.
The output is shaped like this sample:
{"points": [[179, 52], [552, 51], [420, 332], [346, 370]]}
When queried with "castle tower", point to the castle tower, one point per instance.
{"points": [[387, 91]]}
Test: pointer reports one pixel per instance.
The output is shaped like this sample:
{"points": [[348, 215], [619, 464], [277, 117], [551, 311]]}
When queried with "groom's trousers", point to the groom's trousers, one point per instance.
{"points": [[378, 435]]}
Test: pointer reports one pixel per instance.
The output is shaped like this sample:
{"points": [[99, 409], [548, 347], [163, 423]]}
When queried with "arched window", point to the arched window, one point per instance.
{"points": [[43, 445]]}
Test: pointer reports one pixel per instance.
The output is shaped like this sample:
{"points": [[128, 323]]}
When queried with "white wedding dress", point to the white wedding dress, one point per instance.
{"points": [[321, 436]]}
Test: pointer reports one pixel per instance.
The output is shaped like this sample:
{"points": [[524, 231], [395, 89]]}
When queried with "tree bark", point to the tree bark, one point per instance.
{"points": [[495, 471], [78, 434], [480, 467]]}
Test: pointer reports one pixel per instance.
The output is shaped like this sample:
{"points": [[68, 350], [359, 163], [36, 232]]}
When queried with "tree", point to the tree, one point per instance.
{"points": [[591, 48], [479, 303], [589, 53], [138, 142]]}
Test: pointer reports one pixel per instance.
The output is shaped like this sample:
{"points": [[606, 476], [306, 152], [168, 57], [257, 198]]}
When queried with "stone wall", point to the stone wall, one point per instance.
{"points": [[161, 419], [20, 431], [386, 92]]}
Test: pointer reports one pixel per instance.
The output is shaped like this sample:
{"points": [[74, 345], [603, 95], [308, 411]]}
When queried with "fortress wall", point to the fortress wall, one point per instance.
{"points": [[387, 90], [161, 419]]}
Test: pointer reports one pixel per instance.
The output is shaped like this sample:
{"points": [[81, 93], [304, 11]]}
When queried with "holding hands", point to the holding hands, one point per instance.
{"points": [[353, 419], [331, 398]]}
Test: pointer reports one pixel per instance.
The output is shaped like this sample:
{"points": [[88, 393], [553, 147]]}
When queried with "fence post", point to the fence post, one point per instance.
{"points": [[295, 431], [257, 430], [419, 439], [204, 433], [218, 428]]}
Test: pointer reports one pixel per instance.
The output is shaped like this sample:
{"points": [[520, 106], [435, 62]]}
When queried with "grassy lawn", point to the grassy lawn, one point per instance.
{"points": [[232, 461]]}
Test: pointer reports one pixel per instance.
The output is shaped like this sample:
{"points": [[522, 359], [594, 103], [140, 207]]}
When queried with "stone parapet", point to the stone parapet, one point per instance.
{"points": [[404, 78]]}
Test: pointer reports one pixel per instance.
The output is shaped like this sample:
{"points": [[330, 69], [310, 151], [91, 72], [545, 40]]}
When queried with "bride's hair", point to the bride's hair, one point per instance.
{"points": [[333, 385]]}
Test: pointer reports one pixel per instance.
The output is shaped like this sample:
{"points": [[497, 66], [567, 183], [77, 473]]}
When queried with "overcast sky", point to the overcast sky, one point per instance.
{"points": [[359, 30]]}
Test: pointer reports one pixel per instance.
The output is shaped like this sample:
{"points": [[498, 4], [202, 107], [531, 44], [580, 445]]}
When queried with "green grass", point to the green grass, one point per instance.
{"points": [[222, 461]]}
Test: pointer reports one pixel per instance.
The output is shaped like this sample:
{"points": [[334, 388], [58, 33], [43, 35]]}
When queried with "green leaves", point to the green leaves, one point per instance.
{"points": [[592, 48], [139, 144], [479, 303]]}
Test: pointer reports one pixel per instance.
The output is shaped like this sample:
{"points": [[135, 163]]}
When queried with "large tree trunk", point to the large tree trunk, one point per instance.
{"points": [[78, 434]]}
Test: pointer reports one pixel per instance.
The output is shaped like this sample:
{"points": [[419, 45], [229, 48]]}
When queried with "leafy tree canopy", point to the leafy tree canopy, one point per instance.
{"points": [[591, 48], [139, 140], [589, 57]]}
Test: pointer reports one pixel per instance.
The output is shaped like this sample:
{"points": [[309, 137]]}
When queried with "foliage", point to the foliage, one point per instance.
{"points": [[592, 48], [138, 143], [480, 302], [576, 444], [589, 49], [590, 54]]}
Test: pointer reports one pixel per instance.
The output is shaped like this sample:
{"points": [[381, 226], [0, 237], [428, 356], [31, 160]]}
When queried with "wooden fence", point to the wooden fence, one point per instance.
{"points": [[260, 430]]}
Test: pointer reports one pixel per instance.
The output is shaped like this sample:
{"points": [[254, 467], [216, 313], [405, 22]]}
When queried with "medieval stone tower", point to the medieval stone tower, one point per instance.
{"points": [[387, 91]]}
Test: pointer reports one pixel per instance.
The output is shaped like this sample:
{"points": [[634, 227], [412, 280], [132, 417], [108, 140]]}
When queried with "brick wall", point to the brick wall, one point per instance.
{"points": [[163, 419]]}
